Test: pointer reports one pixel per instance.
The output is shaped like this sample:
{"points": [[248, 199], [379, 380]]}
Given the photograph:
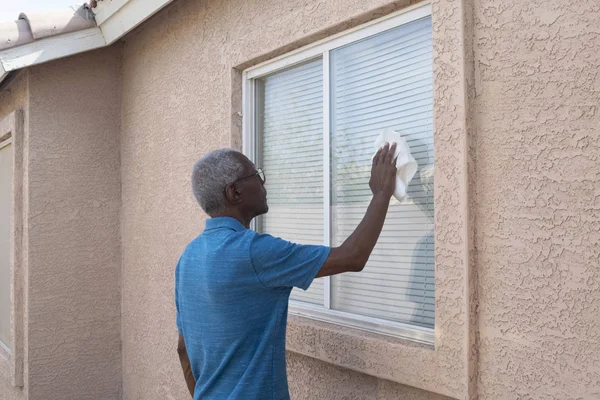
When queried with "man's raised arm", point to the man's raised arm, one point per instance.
{"points": [[353, 254]]}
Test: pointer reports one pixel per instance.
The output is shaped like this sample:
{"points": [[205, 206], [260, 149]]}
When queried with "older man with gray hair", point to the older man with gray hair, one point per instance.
{"points": [[232, 284]]}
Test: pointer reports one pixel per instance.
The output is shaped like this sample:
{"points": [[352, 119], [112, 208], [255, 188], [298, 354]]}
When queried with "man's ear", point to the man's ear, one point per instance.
{"points": [[233, 194]]}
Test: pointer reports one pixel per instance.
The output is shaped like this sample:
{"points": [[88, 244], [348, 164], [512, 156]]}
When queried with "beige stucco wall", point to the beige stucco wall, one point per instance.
{"points": [[519, 78], [180, 99], [517, 198], [538, 198], [72, 180], [310, 379], [74, 240], [14, 94]]}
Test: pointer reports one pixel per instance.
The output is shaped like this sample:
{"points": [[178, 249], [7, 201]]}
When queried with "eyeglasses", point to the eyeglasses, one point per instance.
{"points": [[259, 172]]}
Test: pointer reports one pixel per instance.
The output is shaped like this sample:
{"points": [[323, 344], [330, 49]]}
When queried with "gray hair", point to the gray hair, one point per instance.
{"points": [[212, 173]]}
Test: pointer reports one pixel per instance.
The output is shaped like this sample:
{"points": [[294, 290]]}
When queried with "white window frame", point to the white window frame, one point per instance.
{"points": [[322, 49]]}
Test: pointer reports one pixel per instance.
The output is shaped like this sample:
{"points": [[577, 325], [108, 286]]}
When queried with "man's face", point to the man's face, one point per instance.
{"points": [[253, 190]]}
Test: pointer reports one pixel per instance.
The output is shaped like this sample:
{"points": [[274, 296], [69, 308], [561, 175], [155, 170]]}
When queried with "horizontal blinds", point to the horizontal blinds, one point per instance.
{"points": [[290, 119], [385, 81]]}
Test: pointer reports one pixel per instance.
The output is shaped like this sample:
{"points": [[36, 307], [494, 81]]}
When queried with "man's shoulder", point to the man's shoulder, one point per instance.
{"points": [[211, 243]]}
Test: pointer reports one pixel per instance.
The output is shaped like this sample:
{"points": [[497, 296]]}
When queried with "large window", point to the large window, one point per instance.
{"points": [[6, 174], [311, 119]]}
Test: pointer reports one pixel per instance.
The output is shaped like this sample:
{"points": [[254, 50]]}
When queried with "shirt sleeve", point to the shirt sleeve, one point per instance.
{"points": [[279, 263]]}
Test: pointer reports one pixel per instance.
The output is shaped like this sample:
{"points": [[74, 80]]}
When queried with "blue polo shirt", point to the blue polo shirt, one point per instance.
{"points": [[232, 287]]}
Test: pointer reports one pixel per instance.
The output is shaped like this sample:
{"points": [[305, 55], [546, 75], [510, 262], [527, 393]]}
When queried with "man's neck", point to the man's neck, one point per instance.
{"points": [[235, 215]]}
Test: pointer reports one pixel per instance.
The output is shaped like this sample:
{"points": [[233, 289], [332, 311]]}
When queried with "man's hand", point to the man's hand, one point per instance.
{"points": [[383, 172], [354, 253]]}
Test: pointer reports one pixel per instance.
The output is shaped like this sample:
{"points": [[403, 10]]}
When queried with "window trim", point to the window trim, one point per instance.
{"points": [[322, 50]]}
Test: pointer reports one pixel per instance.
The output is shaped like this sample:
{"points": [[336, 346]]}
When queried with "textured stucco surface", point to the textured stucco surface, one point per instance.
{"points": [[13, 97], [73, 181], [517, 91], [310, 379], [179, 76], [538, 198]]}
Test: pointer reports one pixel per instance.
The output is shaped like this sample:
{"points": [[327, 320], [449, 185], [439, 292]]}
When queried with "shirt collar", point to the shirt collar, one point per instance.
{"points": [[224, 222]]}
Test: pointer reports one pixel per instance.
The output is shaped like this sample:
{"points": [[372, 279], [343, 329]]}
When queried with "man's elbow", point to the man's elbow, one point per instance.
{"points": [[355, 260], [346, 259], [357, 264]]}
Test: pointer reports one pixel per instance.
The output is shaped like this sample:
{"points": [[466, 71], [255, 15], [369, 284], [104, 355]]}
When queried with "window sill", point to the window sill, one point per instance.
{"points": [[399, 360], [367, 324]]}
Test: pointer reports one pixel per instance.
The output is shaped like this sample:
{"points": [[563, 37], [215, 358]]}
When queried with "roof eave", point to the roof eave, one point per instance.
{"points": [[51, 48], [113, 22]]}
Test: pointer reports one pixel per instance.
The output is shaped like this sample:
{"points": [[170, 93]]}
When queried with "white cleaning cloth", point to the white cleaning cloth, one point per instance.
{"points": [[406, 164]]}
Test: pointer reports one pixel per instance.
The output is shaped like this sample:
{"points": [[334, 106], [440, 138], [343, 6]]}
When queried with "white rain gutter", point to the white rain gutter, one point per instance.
{"points": [[113, 21]]}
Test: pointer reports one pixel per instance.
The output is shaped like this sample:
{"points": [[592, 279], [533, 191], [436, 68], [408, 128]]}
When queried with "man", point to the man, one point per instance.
{"points": [[232, 284]]}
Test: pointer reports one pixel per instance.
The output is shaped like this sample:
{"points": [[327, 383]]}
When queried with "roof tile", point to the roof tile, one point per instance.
{"points": [[14, 33], [40, 24]]}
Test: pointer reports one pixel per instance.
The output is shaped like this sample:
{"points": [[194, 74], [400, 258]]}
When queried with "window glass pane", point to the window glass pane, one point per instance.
{"points": [[6, 173], [385, 81], [289, 111]]}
